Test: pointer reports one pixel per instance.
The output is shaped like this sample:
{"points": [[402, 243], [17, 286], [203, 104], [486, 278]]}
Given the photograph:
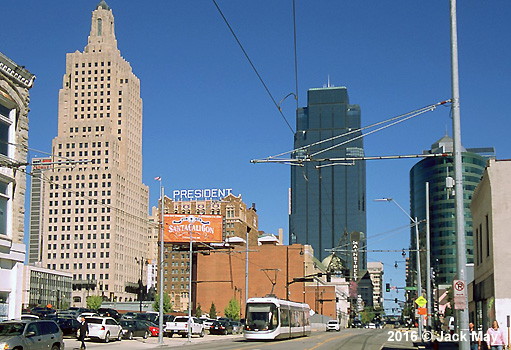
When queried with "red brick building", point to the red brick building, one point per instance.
{"points": [[221, 277]]}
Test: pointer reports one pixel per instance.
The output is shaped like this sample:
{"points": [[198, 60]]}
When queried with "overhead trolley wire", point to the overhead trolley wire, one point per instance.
{"points": [[393, 121], [253, 66]]}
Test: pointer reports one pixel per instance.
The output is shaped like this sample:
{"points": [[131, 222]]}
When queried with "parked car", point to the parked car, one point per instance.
{"points": [[134, 328], [34, 334], [43, 312], [104, 328], [237, 327], [65, 314], [109, 312], [153, 328], [371, 325], [207, 322], [148, 316], [357, 324], [333, 325], [180, 326], [79, 310], [87, 314], [129, 315], [68, 325], [220, 327], [28, 317]]}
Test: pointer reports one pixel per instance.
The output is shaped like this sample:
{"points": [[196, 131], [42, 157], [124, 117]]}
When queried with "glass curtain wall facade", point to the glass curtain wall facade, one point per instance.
{"points": [[442, 212], [328, 203]]}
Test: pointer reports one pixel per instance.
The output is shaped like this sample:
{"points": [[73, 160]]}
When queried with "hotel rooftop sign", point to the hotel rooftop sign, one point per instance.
{"points": [[201, 194]]}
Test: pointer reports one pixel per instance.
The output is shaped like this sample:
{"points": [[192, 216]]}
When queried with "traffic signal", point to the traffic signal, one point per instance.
{"points": [[328, 277], [387, 287], [395, 300]]}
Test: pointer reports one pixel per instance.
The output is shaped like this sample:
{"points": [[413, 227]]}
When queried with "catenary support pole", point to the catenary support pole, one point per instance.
{"points": [[419, 279], [461, 261], [428, 260], [160, 267]]}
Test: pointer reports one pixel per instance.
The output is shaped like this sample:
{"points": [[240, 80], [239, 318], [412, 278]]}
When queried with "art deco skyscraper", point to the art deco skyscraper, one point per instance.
{"points": [[328, 203], [97, 210]]}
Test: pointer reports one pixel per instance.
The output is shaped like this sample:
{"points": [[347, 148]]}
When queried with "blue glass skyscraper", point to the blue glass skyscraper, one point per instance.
{"points": [[328, 202]]}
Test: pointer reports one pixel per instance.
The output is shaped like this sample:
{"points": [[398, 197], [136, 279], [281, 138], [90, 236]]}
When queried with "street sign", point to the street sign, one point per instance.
{"points": [[422, 311], [421, 301], [410, 288], [459, 291]]}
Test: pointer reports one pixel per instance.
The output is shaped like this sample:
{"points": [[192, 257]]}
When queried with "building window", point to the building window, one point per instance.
{"points": [[6, 121]]}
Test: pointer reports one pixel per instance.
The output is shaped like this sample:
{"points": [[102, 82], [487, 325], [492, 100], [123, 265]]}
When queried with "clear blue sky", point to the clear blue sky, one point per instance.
{"points": [[206, 115]]}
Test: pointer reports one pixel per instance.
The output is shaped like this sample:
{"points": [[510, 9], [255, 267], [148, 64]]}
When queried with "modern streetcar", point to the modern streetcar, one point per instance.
{"points": [[271, 318]]}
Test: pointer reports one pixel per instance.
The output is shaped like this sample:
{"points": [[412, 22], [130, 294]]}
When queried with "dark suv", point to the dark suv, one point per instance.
{"points": [[36, 334]]}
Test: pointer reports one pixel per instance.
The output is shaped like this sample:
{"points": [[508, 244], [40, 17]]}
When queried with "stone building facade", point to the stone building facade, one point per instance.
{"points": [[97, 206], [15, 82]]}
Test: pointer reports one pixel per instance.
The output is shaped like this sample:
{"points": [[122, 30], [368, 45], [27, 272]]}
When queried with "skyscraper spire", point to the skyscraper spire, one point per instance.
{"points": [[102, 31]]}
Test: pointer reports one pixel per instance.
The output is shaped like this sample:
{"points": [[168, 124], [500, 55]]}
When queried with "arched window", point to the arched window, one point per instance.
{"points": [[99, 26]]}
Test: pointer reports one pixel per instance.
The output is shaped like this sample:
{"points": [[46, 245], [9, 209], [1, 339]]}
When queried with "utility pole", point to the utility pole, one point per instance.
{"points": [[428, 260], [160, 266], [461, 261]]}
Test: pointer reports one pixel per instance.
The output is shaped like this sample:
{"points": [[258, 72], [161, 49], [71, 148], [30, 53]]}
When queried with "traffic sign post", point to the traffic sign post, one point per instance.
{"points": [[459, 289], [421, 301]]}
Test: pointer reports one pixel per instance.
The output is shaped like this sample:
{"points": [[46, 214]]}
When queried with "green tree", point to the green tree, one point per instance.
{"points": [[94, 302], [212, 311], [232, 309], [198, 311], [167, 304], [367, 315]]}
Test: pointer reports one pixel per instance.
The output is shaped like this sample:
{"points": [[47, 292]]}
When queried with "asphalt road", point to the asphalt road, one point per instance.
{"points": [[349, 339]]}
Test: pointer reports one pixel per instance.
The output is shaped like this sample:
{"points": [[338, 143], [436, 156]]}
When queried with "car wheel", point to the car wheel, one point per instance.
{"points": [[55, 347], [107, 337], [171, 334], [225, 332], [119, 336], [146, 334], [130, 335], [202, 333]]}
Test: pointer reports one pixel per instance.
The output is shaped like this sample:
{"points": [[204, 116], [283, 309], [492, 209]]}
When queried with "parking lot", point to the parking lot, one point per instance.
{"points": [[149, 343]]}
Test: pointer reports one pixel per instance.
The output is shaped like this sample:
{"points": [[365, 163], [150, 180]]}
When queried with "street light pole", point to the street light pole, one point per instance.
{"points": [[461, 260], [428, 260], [416, 224], [160, 266]]}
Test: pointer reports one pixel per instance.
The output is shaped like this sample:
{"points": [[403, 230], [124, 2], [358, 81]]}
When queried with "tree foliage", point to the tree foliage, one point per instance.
{"points": [[94, 302], [198, 311], [167, 304], [212, 311], [367, 315], [232, 310]]}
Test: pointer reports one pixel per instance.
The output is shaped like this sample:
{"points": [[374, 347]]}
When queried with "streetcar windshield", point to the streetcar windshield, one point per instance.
{"points": [[261, 317]]}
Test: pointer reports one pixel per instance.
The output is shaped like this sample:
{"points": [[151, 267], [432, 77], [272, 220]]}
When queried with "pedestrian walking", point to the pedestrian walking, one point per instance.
{"points": [[475, 342], [83, 331], [495, 337]]}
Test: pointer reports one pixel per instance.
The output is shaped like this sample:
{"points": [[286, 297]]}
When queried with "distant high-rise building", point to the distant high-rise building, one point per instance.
{"points": [[436, 170], [97, 206], [15, 82], [375, 270], [37, 209], [328, 203]]}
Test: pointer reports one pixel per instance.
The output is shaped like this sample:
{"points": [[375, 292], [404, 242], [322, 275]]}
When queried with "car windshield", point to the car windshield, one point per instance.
{"points": [[181, 319], [126, 323], [332, 322], [11, 328]]}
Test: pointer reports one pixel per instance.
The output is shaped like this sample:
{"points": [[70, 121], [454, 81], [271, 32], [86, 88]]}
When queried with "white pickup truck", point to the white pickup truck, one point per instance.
{"points": [[180, 326]]}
